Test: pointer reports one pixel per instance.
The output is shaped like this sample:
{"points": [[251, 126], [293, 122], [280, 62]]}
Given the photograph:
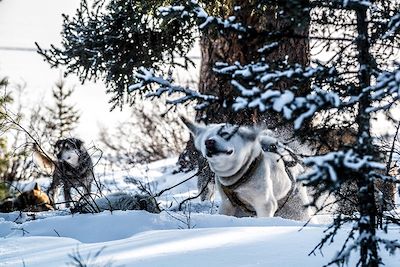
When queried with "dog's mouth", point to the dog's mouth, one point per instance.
{"points": [[215, 152]]}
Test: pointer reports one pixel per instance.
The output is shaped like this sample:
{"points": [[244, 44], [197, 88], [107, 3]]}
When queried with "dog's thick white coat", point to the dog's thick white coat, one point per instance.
{"points": [[269, 191]]}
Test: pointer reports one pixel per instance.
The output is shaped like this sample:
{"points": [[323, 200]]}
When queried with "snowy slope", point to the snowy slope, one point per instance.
{"points": [[138, 238]]}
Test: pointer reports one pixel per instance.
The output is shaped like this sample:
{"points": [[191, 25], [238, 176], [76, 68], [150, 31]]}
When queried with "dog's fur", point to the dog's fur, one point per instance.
{"points": [[32, 200], [71, 168], [119, 201], [251, 175]]}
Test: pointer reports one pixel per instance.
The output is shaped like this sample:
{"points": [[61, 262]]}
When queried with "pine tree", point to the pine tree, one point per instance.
{"points": [[63, 117], [5, 98]]}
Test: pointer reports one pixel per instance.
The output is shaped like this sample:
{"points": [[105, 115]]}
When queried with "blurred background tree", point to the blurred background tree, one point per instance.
{"points": [[4, 155], [62, 118]]}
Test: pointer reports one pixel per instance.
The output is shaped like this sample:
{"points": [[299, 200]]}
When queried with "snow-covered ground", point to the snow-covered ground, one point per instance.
{"points": [[138, 238]]}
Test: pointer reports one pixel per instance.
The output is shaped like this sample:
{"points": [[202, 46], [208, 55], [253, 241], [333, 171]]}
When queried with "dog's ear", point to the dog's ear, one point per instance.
{"points": [[58, 143], [37, 187], [78, 143], [250, 132], [194, 128]]}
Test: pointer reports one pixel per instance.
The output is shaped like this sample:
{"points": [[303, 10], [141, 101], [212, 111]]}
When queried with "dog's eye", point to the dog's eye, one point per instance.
{"points": [[224, 135]]}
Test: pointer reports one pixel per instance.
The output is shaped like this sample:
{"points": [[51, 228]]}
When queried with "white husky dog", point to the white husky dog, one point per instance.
{"points": [[253, 176]]}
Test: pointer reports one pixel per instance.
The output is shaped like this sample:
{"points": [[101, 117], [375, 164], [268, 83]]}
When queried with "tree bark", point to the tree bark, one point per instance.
{"points": [[366, 189], [230, 48]]}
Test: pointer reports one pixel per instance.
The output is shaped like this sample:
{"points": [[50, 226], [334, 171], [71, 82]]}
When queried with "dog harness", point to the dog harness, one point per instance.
{"points": [[229, 190]]}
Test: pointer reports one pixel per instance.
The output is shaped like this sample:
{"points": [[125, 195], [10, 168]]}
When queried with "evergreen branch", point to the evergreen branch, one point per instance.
{"points": [[392, 28], [147, 78], [386, 89], [332, 170], [112, 42], [193, 10]]}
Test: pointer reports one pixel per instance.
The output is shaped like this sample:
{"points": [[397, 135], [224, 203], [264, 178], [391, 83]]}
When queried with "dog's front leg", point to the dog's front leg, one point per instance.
{"points": [[88, 184], [67, 195], [266, 209], [226, 207], [52, 190]]}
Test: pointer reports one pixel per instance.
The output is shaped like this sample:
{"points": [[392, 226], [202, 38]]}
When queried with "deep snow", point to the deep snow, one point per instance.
{"points": [[138, 238]]}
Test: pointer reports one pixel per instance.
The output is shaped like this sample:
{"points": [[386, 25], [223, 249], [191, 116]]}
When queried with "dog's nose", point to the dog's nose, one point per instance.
{"points": [[210, 143]]}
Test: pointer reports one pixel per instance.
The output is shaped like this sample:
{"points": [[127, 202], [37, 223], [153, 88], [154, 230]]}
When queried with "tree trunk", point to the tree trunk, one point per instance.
{"points": [[230, 48], [366, 189]]}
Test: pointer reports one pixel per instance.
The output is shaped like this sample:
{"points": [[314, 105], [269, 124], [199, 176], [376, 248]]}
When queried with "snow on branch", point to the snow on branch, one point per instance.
{"points": [[160, 86], [342, 4], [257, 82], [193, 11], [390, 245], [357, 3], [268, 47], [287, 103], [393, 26], [264, 73], [329, 171], [387, 89]]}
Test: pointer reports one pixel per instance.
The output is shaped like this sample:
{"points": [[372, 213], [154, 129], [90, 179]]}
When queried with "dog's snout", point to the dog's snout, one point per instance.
{"points": [[210, 143]]}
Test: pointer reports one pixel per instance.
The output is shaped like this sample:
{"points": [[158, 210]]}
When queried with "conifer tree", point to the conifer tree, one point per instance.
{"points": [[62, 117], [4, 154], [5, 98]]}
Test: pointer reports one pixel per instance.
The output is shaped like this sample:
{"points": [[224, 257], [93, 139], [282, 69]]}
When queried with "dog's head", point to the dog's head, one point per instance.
{"points": [[69, 150], [225, 146]]}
